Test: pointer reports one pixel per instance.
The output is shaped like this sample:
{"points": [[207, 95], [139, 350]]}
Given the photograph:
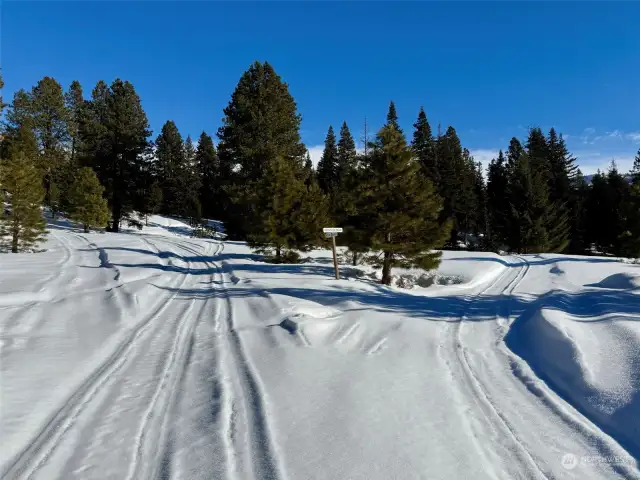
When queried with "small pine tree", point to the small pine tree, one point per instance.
{"points": [[328, 165], [392, 117], [424, 146], [22, 221], [287, 216], [87, 205], [400, 207]]}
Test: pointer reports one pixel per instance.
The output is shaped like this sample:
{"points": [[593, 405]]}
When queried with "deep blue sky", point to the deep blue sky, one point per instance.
{"points": [[489, 69]]}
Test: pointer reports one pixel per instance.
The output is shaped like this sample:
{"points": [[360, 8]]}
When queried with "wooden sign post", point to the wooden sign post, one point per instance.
{"points": [[333, 233]]}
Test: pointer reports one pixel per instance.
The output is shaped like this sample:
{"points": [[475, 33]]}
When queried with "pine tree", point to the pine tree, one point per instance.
{"points": [[290, 217], [74, 102], [424, 147], [579, 194], [50, 117], [392, 117], [347, 156], [2, 105], [261, 124], [173, 170], [23, 221], [114, 134], [208, 165], [399, 207], [328, 165], [497, 207], [310, 175], [87, 206]]}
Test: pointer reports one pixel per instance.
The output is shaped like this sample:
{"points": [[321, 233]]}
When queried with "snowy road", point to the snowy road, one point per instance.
{"points": [[160, 356]]}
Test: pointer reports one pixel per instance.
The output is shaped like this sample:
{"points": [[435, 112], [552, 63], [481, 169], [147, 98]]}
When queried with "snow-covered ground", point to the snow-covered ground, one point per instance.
{"points": [[149, 354]]}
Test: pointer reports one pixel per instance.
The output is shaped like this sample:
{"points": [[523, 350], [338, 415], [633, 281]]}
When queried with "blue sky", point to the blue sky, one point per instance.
{"points": [[489, 69]]}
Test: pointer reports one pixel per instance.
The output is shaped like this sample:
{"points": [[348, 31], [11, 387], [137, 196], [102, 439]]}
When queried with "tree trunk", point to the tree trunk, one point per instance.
{"points": [[116, 213], [355, 259], [14, 242], [386, 269], [278, 253], [86, 228]]}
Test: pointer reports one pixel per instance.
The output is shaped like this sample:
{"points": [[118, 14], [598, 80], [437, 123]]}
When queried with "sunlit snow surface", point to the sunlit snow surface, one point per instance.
{"points": [[149, 354]]}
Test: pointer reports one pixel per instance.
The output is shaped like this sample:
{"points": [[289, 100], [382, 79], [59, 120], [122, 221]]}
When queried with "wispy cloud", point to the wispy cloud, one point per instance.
{"points": [[484, 155]]}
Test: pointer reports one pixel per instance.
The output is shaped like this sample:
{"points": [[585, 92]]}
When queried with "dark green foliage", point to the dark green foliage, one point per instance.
{"points": [[347, 157], [74, 102], [114, 134], [457, 186], [176, 173], [498, 208], [392, 117], [261, 124], [86, 205], [22, 222], [212, 198], [399, 207], [2, 105], [424, 147], [286, 215], [328, 165]]}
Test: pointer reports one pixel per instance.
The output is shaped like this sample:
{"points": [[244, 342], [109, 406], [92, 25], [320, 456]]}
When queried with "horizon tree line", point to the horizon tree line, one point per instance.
{"points": [[398, 201]]}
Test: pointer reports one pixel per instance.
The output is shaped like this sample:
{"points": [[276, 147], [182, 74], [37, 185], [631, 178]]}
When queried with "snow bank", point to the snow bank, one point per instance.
{"points": [[592, 362]]}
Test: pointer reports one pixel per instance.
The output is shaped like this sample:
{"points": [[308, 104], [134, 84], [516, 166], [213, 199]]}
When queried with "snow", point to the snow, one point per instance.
{"points": [[150, 354]]}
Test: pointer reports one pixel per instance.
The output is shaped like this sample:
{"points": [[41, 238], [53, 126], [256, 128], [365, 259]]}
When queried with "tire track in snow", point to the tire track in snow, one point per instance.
{"points": [[246, 394], [36, 454], [172, 375], [483, 400]]}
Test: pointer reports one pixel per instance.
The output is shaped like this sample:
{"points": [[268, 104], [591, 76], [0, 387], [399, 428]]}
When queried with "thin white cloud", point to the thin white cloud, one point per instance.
{"points": [[633, 136]]}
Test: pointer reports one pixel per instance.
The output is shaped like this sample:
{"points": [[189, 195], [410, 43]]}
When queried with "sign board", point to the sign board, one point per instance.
{"points": [[333, 232]]}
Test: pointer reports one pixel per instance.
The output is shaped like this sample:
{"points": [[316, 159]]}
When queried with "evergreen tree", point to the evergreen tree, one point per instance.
{"points": [[392, 117], [22, 222], [400, 207], [2, 105], [49, 121], [290, 217], [74, 102], [310, 175], [114, 134], [579, 194], [498, 208], [328, 165], [347, 156], [424, 147], [261, 124], [208, 165], [174, 172], [87, 206]]}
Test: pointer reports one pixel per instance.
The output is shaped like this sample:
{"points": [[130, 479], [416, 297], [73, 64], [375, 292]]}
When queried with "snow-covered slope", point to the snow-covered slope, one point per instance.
{"points": [[153, 355]]}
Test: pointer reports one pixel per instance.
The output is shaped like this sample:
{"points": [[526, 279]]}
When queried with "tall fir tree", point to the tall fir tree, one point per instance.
{"points": [[399, 207], [22, 225], [50, 117], [74, 102], [176, 174], [498, 208], [87, 205], [347, 155], [114, 134], [424, 147], [392, 117], [328, 165], [2, 105], [290, 217], [208, 166], [261, 124]]}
